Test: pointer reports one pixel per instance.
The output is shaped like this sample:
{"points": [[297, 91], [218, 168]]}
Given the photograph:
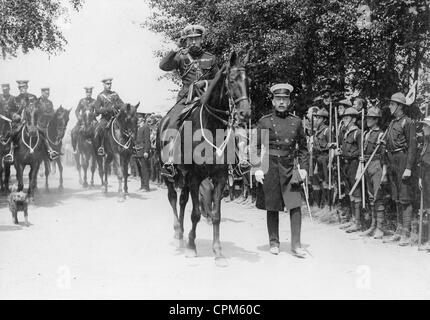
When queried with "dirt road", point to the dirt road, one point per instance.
{"points": [[83, 244]]}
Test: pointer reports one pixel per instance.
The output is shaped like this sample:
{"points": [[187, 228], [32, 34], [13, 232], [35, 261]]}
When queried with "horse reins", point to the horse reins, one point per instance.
{"points": [[127, 145]]}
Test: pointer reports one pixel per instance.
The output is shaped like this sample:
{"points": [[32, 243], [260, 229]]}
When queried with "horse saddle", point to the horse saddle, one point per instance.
{"points": [[187, 110]]}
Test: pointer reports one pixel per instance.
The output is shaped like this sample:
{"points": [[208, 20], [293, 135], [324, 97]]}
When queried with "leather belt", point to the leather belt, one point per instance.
{"points": [[396, 150]]}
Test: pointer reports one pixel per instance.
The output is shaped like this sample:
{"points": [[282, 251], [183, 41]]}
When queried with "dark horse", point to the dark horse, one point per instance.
{"points": [[85, 152], [118, 145], [225, 101], [55, 132], [30, 150], [5, 139]]}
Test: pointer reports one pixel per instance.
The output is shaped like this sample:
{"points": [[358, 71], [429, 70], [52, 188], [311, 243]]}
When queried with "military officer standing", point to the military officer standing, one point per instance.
{"points": [[195, 67], [45, 110], [107, 105], [424, 177], [85, 104], [286, 144], [7, 101], [143, 149], [401, 146]]}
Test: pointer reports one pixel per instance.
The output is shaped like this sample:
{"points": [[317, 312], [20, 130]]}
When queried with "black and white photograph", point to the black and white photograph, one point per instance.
{"points": [[214, 150]]}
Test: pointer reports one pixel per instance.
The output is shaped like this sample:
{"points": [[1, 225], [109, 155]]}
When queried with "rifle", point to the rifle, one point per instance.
{"points": [[311, 149], [420, 232], [330, 160], [363, 191], [357, 181], [338, 159]]}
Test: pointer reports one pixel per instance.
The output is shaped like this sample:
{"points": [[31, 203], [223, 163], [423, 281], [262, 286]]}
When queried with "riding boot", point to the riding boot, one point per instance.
{"points": [[51, 153], [9, 158], [399, 227], [407, 222], [273, 228], [369, 232], [380, 217], [296, 227], [356, 226]]}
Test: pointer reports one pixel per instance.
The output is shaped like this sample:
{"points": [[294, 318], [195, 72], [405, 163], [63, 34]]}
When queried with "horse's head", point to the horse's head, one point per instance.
{"points": [[29, 117], [237, 84], [62, 117], [127, 117]]}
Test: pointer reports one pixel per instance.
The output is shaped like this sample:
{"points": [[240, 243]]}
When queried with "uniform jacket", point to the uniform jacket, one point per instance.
{"points": [[190, 69], [371, 138], [321, 140], [84, 105], [351, 143], [143, 140], [402, 135], [7, 105], [106, 104], [25, 100], [45, 110], [286, 141]]}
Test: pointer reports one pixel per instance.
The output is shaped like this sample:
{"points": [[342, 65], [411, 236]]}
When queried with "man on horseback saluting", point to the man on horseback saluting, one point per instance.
{"points": [[195, 67], [107, 104]]}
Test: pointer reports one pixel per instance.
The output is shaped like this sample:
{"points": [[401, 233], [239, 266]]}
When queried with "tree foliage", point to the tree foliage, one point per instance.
{"points": [[370, 47], [27, 25]]}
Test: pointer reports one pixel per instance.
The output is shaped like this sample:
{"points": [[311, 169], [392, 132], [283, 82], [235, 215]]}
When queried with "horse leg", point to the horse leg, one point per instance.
{"points": [[93, 169], [195, 215], [47, 171], [125, 173], [78, 165], [2, 188], [183, 200], [106, 163], [6, 178], [85, 165], [32, 180], [219, 184], [173, 199], [19, 176], [120, 165], [60, 170]]}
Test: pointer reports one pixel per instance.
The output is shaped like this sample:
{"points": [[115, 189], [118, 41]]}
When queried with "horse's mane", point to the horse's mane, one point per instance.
{"points": [[221, 74]]}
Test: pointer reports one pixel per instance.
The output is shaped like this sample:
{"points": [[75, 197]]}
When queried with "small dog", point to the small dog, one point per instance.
{"points": [[18, 201]]}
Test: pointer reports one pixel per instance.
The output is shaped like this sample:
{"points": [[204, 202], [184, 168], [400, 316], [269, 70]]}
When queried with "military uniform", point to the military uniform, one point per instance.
{"points": [[143, 147], [45, 110], [351, 151], [107, 104], [286, 140], [85, 104], [321, 154], [401, 146], [7, 105], [424, 165], [373, 176]]}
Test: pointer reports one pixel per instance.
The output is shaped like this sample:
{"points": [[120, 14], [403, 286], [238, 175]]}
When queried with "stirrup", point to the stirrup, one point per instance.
{"points": [[8, 158], [101, 152], [168, 170], [53, 154]]}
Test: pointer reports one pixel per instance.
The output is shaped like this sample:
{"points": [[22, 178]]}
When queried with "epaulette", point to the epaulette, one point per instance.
{"points": [[293, 115], [266, 116]]}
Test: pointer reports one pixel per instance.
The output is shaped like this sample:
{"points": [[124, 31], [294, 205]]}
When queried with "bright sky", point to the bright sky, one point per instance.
{"points": [[105, 39]]}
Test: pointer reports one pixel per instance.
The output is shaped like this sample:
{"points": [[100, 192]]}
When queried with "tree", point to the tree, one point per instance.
{"points": [[370, 47], [27, 25]]}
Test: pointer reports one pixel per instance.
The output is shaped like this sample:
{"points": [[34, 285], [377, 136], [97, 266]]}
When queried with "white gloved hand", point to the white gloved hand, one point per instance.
{"points": [[259, 176], [303, 174]]}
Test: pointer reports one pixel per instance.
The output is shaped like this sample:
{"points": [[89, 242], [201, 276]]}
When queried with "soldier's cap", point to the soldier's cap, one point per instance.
{"points": [[5, 85], [45, 89], [140, 114], [374, 112], [323, 113], [345, 102], [107, 80], [426, 121], [194, 30], [88, 88], [399, 98], [22, 83], [351, 112], [281, 90]]}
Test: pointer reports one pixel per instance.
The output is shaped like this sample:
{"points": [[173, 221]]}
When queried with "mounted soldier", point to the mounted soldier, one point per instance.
{"points": [[107, 105], [85, 104], [195, 67], [45, 111], [7, 101], [401, 146], [277, 190]]}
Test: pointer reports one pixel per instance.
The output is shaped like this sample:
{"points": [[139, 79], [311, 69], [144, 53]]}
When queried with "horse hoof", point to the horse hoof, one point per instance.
{"points": [[221, 262], [47, 190], [61, 188], [179, 243], [85, 185], [191, 253], [80, 181]]}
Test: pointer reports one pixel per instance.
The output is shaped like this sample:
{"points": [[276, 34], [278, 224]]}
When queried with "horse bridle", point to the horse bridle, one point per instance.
{"points": [[232, 110]]}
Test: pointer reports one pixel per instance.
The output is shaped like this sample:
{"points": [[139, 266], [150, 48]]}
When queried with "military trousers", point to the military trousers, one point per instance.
{"points": [[401, 190], [296, 227]]}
